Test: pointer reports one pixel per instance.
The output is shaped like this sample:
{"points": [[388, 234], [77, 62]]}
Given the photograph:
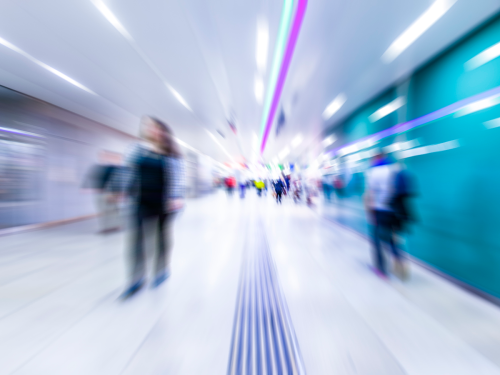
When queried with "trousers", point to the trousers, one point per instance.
{"points": [[146, 224], [109, 211], [278, 196], [383, 231]]}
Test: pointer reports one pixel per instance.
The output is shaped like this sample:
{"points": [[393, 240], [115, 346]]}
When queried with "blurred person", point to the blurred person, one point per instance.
{"points": [[338, 186], [259, 185], [310, 191], [327, 187], [243, 187], [105, 180], [156, 187], [279, 186], [297, 189], [385, 183], [287, 180], [230, 183]]}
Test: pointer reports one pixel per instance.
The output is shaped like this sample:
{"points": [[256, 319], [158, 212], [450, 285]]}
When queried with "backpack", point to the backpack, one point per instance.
{"points": [[403, 190]]}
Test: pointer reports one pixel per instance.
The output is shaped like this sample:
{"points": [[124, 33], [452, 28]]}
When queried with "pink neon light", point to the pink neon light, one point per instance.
{"points": [[287, 58]]}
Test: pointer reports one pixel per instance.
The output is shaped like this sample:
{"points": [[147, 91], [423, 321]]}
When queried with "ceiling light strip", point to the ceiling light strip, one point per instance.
{"points": [[287, 58], [417, 28], [433, 116], [220, 145], [279, 49], [106, 12], [45, 66], [486, 56]]}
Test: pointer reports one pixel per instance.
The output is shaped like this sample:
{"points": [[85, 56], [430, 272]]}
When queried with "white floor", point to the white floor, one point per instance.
{"points": [[60, 313]]}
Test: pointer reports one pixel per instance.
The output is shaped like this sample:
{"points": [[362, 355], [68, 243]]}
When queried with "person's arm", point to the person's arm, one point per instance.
{"points": [[368, 201], [129, 174], [176, 184]]}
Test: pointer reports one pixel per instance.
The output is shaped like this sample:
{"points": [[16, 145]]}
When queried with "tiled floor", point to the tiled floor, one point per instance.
{"points": [[60, 312]]}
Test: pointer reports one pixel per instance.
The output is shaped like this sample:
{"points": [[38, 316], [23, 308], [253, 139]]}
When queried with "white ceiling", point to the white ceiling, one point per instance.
{"points": [[205, 49]]}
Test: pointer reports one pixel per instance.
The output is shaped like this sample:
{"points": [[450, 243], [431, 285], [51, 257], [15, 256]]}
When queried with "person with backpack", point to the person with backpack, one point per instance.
{"points": [[387, 190], [104, 180], [156, 189]]}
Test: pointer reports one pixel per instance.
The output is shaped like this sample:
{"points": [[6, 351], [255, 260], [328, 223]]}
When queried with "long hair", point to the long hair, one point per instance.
{"points": [[169, 145]]}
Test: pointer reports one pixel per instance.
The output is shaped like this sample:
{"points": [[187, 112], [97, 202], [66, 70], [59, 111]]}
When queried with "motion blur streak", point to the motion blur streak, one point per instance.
{"points": [[279, 49], [476, 102], [292, 41], [250, 189], [420, 26], [106, 12], [45, 66]]}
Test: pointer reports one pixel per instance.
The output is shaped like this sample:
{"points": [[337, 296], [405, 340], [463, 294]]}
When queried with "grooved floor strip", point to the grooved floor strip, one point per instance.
{"points": [[263, 340]]}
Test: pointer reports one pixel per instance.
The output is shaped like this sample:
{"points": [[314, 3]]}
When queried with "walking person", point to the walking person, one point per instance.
{"points": [[279, 186], [382, 196], [105, 180], [156, 188]]}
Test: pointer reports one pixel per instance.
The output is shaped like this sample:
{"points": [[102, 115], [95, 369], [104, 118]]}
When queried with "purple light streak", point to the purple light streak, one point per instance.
{"points": [[287, 58], [436, 115]]}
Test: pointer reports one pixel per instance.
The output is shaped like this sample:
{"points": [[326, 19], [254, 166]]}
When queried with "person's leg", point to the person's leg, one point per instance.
{"points": [[163, 249], [136, 254], [114, 212], [400, 267], [103, 207], [378, 255]]}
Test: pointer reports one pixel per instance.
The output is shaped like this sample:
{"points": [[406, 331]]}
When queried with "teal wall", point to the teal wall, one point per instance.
{"points": [[458, 202]]}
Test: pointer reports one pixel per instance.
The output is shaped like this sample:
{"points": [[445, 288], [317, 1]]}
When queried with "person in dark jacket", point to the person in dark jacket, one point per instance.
{"points": [[279, 186], [156, 189]]}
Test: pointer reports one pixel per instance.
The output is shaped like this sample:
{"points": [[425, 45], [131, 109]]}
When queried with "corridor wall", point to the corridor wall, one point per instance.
{"points": [[455, 160], [45, 155]]}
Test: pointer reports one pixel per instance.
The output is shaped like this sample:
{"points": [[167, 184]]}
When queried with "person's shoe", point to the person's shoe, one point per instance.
{"points": [[133, 289], [401, 270], [160, 279], [379, 273]]}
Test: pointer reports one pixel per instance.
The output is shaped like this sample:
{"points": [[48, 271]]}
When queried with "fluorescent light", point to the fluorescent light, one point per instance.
{"points": [[262, 44], [487, 55], [184, 144], [478, 106], [368, 143], [284, 153], [106, 12], [255, 142], [297, 140], [45, 66], [387, 109], [492, 123], [329, 140], [16, 131], [352, 148], [259, 89], [417, 28], [430, 149], [179, 97], [218, 144], [401, 146], [334, 106]]}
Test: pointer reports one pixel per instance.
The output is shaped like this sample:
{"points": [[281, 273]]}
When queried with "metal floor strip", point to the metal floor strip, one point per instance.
{"points": [[263, 341]]}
